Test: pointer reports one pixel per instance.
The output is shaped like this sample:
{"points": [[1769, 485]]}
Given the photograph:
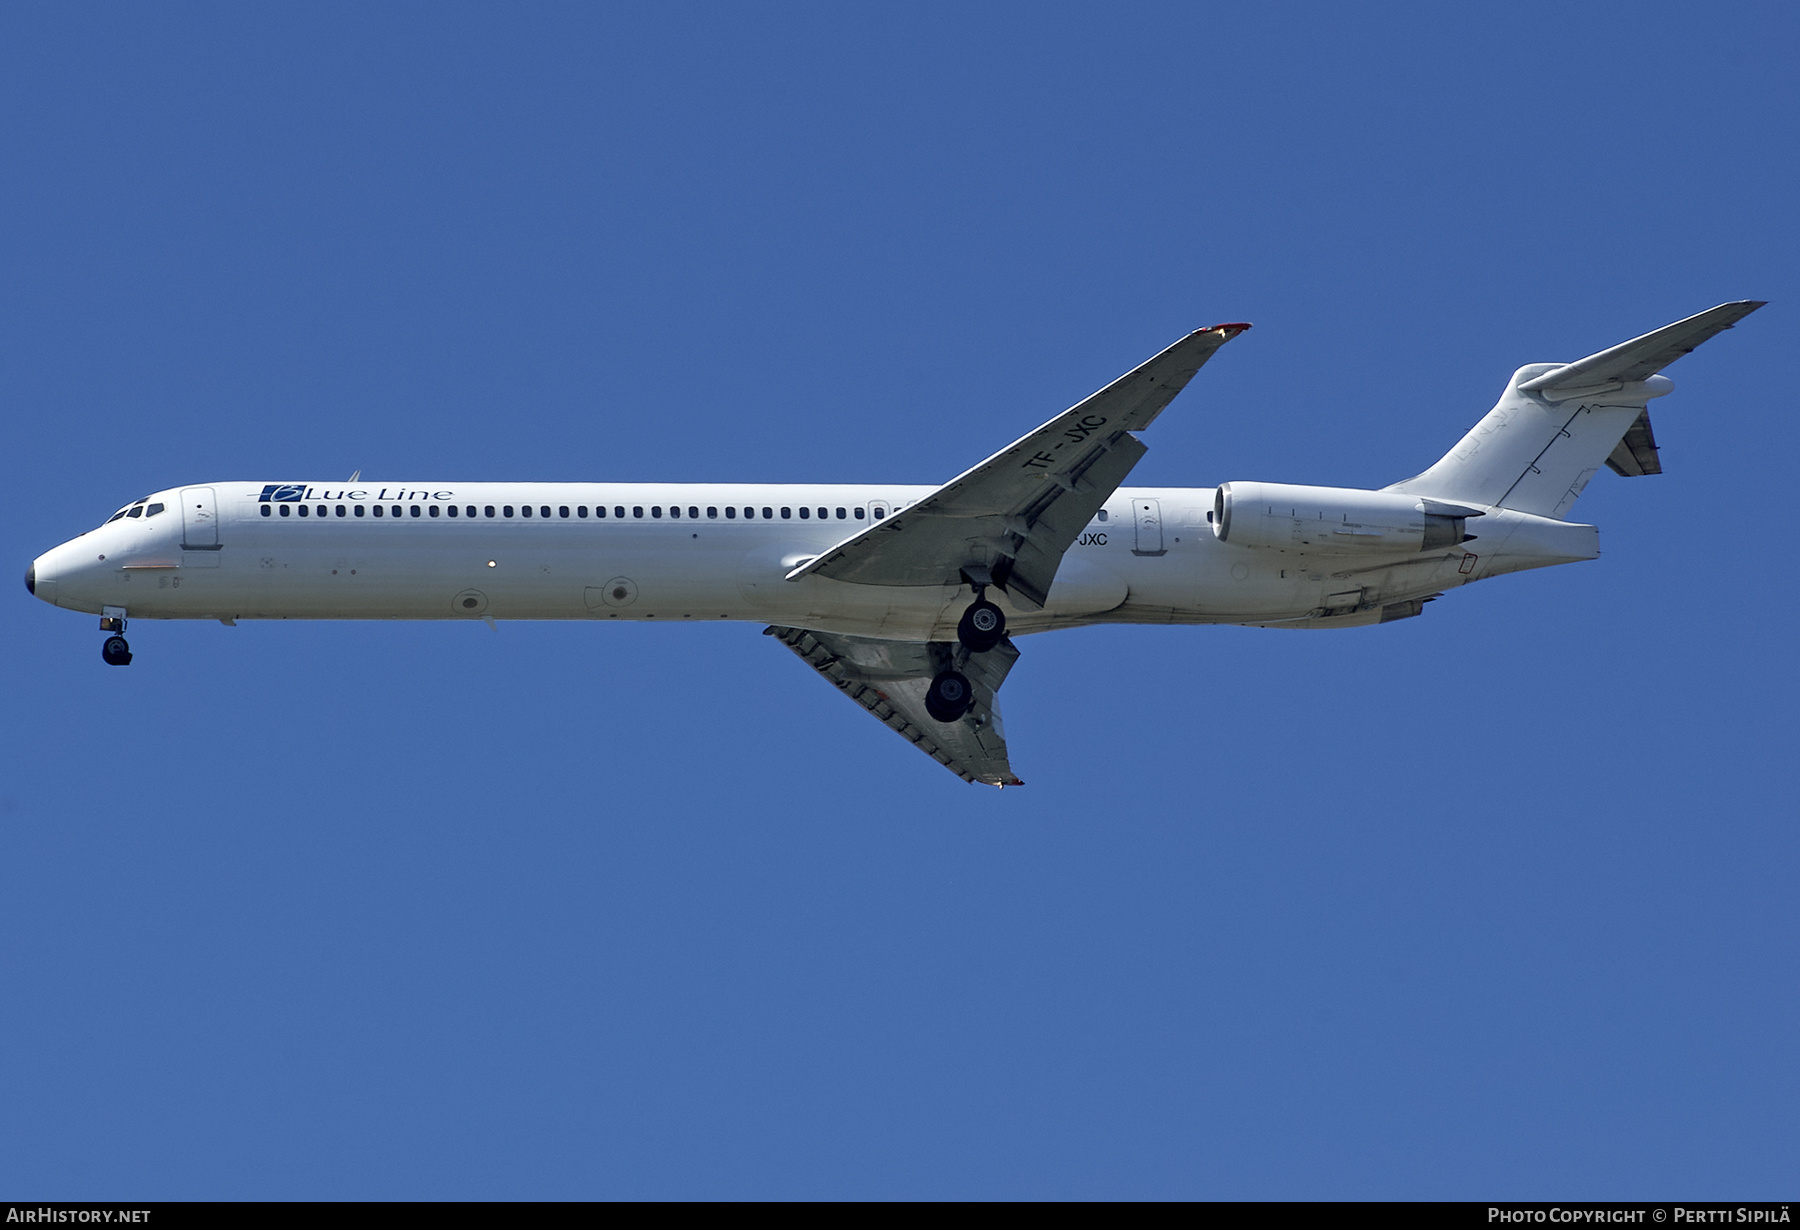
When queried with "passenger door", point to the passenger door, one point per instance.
{"points": [[199, 528]]}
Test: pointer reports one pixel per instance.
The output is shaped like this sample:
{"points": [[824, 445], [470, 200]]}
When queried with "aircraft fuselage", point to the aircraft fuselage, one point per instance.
{"points": [[620, 551]]}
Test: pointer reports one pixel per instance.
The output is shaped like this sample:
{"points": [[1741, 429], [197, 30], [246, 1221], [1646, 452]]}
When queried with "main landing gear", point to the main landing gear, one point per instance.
{"points": [[949, 696], [981, 628]]}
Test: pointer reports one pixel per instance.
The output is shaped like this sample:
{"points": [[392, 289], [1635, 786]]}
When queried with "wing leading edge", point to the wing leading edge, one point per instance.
{"points": [[1009, 520]]}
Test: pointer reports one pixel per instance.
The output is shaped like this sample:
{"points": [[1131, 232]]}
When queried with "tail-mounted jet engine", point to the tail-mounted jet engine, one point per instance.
{"points": [[1335, 520]]}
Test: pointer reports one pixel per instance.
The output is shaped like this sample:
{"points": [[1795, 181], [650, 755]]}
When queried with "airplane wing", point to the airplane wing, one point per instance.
{"points": [[1641, 357], [1008, 521], [889, 678]]}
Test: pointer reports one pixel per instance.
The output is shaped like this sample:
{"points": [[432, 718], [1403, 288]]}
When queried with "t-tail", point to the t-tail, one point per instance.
{"points": [[1558, 423]]}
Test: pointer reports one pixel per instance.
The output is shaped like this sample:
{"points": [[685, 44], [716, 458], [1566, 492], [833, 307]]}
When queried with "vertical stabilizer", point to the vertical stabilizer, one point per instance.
{"points": [[1558, 423]]}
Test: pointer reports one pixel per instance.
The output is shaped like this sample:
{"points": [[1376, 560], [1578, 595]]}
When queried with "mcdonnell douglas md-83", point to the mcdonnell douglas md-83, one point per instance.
{"points": [[907, 598]]}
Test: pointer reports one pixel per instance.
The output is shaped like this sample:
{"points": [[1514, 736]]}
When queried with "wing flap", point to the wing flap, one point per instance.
{"points": [[889, 678]]}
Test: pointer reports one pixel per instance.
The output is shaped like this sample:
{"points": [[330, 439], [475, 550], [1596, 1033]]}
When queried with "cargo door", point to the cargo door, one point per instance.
{"points": [[199, 528]]}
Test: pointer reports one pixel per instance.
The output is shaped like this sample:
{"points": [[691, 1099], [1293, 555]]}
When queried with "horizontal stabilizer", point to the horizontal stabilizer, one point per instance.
{"points": [[1635, 455], [1644, 356]]}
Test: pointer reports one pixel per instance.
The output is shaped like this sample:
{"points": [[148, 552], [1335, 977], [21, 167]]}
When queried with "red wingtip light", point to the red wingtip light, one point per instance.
{"points": [[1232, 329]]}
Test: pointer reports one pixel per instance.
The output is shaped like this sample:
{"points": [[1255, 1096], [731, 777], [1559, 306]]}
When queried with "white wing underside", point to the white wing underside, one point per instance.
{"points": [[889, 678]]}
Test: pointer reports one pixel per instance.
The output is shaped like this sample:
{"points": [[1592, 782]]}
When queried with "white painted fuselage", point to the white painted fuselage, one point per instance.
{"points": [[621, 551]]}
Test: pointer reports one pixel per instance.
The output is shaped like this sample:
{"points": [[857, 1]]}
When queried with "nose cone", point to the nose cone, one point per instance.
{"points": [[41, 580]]}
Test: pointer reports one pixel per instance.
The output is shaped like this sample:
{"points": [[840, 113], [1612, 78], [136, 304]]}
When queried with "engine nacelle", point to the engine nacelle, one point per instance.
{"points": [[1335, 520]]}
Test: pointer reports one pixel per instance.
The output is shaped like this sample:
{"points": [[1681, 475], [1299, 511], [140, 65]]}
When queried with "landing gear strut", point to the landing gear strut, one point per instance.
{"points": [[116, 651], [982, 626], [949, 696]]}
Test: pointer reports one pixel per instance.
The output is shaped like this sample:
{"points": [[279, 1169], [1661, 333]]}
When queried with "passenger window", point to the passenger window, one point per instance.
{"points": [[786, 514], [824, 513], [768, 514], [711, 511], [619, 511], [637, 510], [878, 514], [451, 509], [525, 510], [581, 511], [153, 510], [858, 512], [284, 510], [377, 510], [265, 511], [600, 510], [488, 510], [415, 510], [805, 514], [469, 511], [434, 510], [359, 509], [304, 509], [840, 514], [341, 512], [730, 513], [675, 510], [656, 510], [562, 511], [544, 511], [692, 511], [1103, 515], [506, 510]]}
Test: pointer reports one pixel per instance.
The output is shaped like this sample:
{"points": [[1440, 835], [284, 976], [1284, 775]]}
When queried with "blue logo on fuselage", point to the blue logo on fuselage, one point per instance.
{"points": [[282, 491]]}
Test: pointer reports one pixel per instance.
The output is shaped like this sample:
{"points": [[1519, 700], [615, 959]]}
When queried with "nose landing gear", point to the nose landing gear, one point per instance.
{"points": [[117, 650]]}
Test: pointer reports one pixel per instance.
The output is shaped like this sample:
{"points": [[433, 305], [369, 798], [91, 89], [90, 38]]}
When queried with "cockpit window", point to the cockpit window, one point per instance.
{"points": [[153, 510], [133, 509]]}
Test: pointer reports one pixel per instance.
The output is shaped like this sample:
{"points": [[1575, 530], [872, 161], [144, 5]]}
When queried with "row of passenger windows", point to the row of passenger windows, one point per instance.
{"points": [[544, 511]]}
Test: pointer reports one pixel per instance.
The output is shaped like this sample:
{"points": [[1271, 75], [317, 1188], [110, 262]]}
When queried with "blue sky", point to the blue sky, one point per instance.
{"points": [[1494, 903]]}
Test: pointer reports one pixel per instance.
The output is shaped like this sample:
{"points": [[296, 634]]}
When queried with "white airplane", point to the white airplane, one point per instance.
{"points": [[907, 598]]}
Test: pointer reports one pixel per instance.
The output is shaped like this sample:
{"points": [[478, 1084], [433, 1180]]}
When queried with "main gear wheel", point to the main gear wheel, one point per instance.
{"points": [[982, 627], [949, 696]]}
